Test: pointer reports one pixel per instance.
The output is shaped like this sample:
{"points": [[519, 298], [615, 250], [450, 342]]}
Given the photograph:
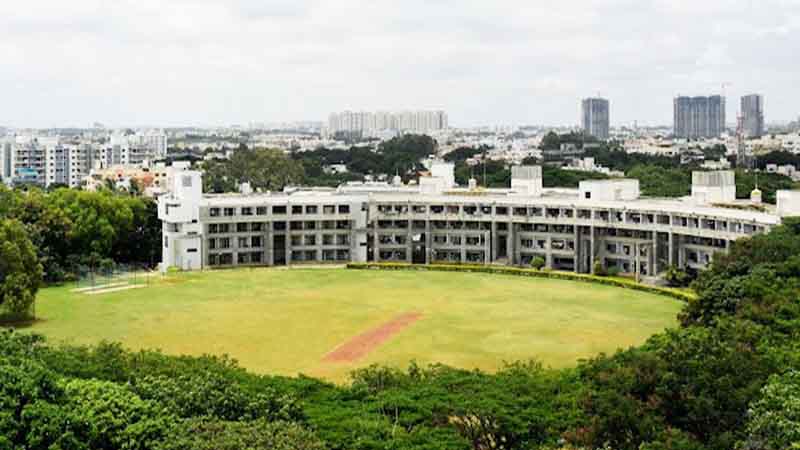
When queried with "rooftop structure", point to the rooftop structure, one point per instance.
{"points": [[603, 222]]}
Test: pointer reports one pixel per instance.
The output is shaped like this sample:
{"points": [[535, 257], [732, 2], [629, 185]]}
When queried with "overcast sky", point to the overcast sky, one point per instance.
{"points": [[218, 62]]}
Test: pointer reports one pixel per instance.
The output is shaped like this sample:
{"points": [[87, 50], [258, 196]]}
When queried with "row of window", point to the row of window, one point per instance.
{"points": [[295, 225], [278, 210]]}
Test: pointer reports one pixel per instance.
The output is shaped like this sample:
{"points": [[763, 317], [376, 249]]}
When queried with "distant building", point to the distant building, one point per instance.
{"points": [[595, 117], [368, 123], [699, 117], [753, 115]]}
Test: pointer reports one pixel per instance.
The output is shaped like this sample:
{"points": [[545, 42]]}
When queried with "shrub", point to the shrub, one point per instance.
{"points": [[538, 263], [506, 270]]}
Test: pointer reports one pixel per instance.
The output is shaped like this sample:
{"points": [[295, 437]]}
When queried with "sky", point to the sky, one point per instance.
{"points": [[487, 62]]}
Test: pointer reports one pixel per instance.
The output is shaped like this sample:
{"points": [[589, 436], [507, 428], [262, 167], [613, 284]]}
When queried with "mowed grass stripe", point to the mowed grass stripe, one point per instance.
{"points": [[286, 321]]}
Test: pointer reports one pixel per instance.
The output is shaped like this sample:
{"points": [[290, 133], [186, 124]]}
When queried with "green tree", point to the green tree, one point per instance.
{"points": [[774, 419], [206, 434], [20, 271]]}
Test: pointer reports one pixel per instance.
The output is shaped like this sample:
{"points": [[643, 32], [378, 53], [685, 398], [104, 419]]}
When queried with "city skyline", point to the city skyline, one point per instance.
{"points": [[235, 62]]}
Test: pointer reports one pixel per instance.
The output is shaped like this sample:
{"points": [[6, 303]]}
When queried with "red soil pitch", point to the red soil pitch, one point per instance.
{"points": [[361, 345]]}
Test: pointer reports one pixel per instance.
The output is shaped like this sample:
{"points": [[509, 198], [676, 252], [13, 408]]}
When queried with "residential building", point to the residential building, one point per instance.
{"points": [[368, 123], [603, 222], [752, 116], [595, 117], [699, 117]]}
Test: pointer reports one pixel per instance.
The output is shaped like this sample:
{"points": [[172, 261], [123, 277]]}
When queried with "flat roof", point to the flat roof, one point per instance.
{"points": [[557, 197]]}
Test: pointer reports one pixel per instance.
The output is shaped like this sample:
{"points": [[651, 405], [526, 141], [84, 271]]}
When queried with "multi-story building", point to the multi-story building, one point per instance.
{"points": [[752, 109], [595, 117], [135, 149], [46, 161], [603, 222], [369, 122], [6, 167], [699, 117]]}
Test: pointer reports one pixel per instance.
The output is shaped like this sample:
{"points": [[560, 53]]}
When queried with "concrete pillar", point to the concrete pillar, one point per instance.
{"points": [[409, 241], [375, 242], [577, 243], [428, 242], [288, 246], [269, 244], [671, 248], [548, 256], [591, 249], [510, 247], [494, 242], [654, 254]]}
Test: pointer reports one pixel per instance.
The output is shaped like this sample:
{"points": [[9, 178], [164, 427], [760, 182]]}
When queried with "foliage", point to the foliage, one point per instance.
{"points": [[679, 277], [20, 270], [69, 227], [768, 184], [268, 170], [538, 262], [205, 434], [774, 419]]}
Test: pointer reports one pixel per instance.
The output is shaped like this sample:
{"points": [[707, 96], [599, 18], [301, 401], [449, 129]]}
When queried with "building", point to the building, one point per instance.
{"points": [[51, 160], [369, 123], [595, 117], [699, 117], [753, 116], [603, 222]]}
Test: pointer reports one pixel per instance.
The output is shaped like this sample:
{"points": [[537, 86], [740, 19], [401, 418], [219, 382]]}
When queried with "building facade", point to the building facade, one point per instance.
{"points": [[752, 109], [699, 117], [603, 222], [369, 122], [595, 115], [49, 160]]}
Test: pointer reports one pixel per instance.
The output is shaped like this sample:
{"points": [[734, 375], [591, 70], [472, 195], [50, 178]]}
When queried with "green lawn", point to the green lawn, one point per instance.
{"points": [[286, 321]]}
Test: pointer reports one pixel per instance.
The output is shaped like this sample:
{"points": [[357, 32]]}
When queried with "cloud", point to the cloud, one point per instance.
{"points": [[129, 62]]}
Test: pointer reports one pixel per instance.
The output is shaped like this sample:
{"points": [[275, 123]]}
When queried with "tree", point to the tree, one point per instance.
{"points": [[206, 434], [269, 170], [775, 417], [551, 141], [20, 271]]}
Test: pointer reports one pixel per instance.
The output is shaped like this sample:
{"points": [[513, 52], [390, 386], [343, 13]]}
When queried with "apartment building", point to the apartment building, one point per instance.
{"points": [[369, 122], [752, 108], [605, 221], [699, 117], [49, 160], [595, 116]]}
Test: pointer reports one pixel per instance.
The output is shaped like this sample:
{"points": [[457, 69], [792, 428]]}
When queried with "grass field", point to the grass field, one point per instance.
{"points": [[287, 321]]}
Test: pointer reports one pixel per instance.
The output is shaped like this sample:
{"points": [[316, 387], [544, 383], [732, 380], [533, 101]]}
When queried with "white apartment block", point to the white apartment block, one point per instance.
{"points": [[371, 122], [605, 222], [49, 160]]}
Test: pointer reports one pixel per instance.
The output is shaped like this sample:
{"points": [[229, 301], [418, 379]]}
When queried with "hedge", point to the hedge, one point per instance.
{"points": [[507, 270]]}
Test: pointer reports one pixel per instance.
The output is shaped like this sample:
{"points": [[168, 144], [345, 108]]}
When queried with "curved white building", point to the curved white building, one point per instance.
{"points": [[602, 221]]}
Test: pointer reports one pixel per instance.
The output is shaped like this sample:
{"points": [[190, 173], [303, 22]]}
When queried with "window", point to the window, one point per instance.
{"points": [[344, 209], [311, 209], [243, 227], [191, 250], [213, 212], [279, 210], [297, 209], [247, 211], [230, 212], [256, 227], [587, 195], [225, 243], [244, 242], [261, 211], [255, 241], [212, 244]]}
